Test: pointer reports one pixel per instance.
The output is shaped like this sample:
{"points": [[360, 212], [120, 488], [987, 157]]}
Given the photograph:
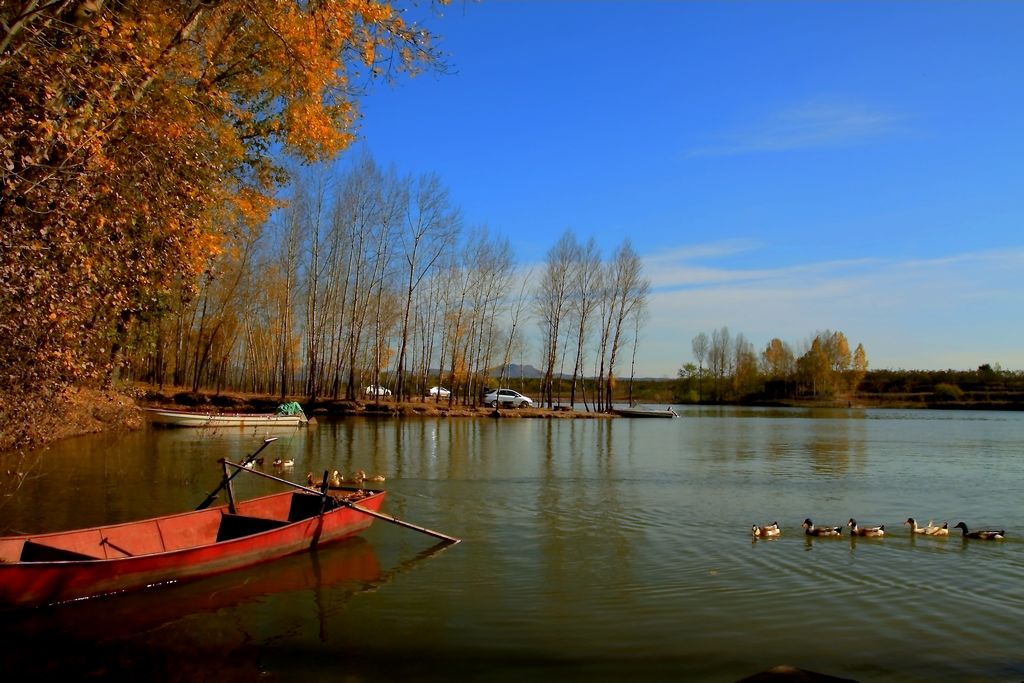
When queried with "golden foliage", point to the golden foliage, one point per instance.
{"points": [[136, 136]]}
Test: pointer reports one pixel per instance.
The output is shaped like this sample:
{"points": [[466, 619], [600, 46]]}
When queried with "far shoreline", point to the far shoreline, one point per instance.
{"points": [[83, 411]]}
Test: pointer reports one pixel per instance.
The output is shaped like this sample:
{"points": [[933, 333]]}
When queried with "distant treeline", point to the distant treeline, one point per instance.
{"points": [[986, 387], [983, 388]]}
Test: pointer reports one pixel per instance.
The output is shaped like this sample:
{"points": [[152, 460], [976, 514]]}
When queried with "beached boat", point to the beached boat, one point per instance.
{"points": [[39, 569], [185, 418], [637, 411]]}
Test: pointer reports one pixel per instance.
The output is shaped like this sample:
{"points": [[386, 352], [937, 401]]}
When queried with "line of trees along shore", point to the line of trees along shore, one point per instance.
{"points": [[370, 278], [729, 369]]}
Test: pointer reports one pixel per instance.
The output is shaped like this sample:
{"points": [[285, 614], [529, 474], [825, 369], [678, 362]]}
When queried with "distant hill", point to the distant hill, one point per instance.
{"points": [[515, 371]]}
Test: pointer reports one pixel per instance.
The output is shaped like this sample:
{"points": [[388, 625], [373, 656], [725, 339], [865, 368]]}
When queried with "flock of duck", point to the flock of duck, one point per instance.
{"points": [[337, 479], [278, 463], [810, 529]]}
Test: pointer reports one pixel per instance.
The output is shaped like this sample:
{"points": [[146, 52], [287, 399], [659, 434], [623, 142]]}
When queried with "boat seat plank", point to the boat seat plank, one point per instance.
{"points": [[39, 552], [188, 531], [237, 526], [128, 540], [82, 544], [273, 508], [10, 549]]}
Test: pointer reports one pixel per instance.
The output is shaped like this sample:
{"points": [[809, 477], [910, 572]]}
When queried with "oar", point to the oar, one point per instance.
{"points": [[360, 508], [395, 520], [224, 482]]}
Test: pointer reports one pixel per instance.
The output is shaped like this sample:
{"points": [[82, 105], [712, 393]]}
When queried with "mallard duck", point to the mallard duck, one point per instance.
{"points": [[334, 480], [358, 477], [865, 530], [376, 477], [929, 530], [812, 530], [766, 531], [984, 534], [278, 462]]}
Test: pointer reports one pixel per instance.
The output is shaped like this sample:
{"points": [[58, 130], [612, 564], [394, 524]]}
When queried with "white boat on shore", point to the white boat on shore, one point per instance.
{"points": [[186, 418], [637, 411]]}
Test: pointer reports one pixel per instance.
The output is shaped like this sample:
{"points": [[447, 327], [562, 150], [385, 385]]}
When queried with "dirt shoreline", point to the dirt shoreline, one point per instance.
{"points": [[80, 411], [417, 407]]}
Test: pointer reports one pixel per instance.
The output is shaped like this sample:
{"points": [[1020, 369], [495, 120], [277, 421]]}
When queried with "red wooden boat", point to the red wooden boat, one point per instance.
{"points": [[40, 569]]}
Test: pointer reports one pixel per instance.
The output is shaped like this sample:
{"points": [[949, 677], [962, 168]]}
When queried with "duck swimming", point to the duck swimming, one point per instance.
{"points": [[334, 480], [278, 462], [856, 530], [929, 530], [766, 531], [984, 534], [812, 530]]}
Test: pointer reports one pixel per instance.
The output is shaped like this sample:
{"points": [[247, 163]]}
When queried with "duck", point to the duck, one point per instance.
{"points": [[929, 530], [278, 462], [984, 534], [376, 477], [812, 530], [334, 480], [766, 531], [358, 477], [865, 530]]}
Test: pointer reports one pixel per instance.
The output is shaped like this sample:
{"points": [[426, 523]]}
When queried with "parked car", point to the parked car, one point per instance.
{"points": [[440, 392], [507, 397], [374, 390]]}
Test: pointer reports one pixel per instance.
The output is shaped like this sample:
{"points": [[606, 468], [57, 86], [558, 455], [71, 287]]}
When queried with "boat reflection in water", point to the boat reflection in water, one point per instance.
{"points": [[123, 632], [353, 561]]}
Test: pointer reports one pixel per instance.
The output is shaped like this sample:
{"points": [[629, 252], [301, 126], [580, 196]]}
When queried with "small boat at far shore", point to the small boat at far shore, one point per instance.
{"points": [[185, 418], [637, 411]]}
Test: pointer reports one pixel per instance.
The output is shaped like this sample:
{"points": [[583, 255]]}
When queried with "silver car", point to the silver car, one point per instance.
{"points": [[507, 397]]}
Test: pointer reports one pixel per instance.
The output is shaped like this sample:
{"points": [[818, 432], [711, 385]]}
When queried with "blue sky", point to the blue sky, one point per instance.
{"points": [[782, 167]]}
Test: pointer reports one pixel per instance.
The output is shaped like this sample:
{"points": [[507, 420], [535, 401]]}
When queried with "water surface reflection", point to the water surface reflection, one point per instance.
{"points": [[603, 549]]}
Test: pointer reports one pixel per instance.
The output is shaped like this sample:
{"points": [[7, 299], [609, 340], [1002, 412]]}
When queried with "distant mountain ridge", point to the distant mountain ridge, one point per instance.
{"points": [[515, 371]]}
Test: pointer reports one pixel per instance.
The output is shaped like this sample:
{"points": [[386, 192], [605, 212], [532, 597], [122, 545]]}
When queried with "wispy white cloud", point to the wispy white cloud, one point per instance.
{"points": [[812, 124], [681, 269], [954, 311]]}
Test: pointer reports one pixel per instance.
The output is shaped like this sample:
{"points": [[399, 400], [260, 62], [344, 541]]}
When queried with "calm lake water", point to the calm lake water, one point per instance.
{"points": [[593, 550]]}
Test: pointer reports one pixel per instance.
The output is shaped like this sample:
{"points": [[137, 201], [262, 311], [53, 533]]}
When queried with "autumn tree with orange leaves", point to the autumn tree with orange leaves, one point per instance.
{"points": [[135, 145]]}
